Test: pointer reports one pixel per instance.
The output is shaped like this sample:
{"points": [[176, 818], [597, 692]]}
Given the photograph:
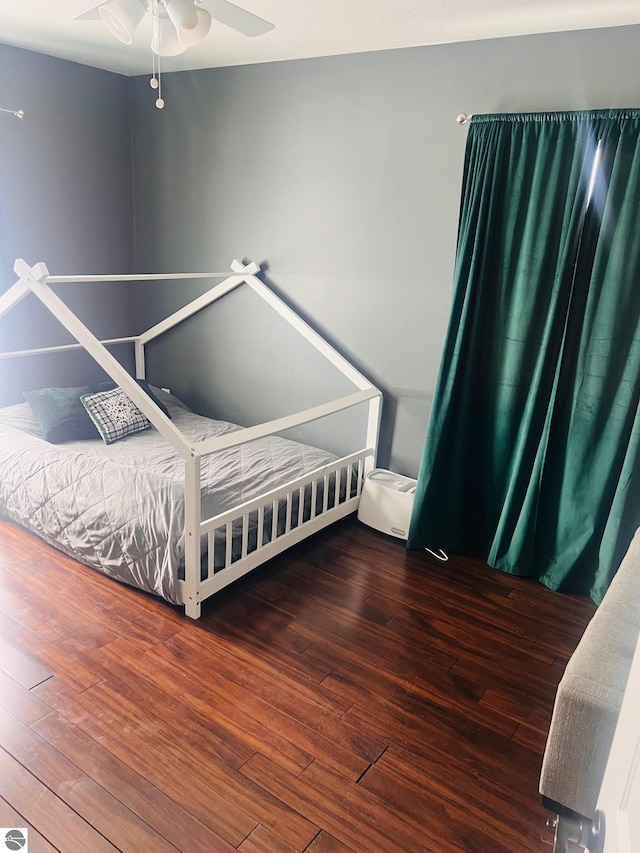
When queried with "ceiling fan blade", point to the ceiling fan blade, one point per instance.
{"points": [[91, 14], [238, 19]]}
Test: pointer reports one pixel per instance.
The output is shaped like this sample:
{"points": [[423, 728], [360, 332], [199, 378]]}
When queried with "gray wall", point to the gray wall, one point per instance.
{"points": [[65, 174], [343, 174]]}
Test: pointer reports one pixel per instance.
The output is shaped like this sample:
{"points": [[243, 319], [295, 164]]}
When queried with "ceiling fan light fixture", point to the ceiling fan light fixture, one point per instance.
{"points": [[194, 35], [121, 17], [164, 41], [182, 14]]}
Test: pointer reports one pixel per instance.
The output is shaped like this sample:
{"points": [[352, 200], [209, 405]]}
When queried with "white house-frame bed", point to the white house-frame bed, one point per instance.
{"points": [[293, 511]]}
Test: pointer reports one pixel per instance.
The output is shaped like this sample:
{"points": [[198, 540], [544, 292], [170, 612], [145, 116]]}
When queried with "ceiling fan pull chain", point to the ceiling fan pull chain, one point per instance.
{"points": [[156, 79], [159, 99]]}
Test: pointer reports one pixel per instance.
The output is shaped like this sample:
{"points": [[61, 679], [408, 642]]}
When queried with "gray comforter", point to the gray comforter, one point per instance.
{"points": [[120, 508]]}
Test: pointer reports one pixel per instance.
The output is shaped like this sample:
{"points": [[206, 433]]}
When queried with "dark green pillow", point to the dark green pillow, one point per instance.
{"points": [[60, 413], [109, 386]]}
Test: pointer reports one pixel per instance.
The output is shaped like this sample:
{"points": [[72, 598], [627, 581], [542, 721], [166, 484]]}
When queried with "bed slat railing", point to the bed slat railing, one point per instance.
{"points": [[324, 473], [280, 513], [245, 534], [260, 526], [287, 523]]}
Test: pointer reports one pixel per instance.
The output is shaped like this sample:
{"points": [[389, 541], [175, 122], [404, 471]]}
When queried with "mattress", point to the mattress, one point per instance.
{"points": [[119, 508]]}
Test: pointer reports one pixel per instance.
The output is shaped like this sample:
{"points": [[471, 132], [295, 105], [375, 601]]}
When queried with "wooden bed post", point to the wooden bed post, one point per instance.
{"points": [[373, 431], [192, 551], [141, 369]]}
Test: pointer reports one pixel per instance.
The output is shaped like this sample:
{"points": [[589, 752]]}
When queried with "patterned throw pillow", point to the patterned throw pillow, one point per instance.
{"points": [[114, 415], [108, 386]]}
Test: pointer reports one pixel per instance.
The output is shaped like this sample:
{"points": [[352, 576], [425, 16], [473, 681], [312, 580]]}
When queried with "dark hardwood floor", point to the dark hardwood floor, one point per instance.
{"points": [[350, 697]]}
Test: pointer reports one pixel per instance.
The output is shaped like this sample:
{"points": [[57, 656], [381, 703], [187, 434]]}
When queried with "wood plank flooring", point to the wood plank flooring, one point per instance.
{"points": [[350, 697]]}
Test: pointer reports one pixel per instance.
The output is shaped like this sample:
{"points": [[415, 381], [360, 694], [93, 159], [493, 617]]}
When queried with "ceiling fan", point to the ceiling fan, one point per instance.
{"points": [[178, 24]]}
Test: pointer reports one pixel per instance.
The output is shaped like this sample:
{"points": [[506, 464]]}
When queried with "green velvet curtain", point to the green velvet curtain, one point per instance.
{"points": [[532, 455]]}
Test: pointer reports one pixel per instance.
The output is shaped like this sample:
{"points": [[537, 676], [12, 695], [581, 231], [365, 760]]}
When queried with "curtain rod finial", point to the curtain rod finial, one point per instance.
{"points": [[17, 113], [463, 118]]}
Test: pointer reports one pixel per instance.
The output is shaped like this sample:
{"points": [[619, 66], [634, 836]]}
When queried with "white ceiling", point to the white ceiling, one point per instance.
{"points": [[304, 28]]}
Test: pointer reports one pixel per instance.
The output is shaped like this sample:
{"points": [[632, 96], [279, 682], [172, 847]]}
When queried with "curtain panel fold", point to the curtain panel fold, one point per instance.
{"points": [[532, 454]]}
